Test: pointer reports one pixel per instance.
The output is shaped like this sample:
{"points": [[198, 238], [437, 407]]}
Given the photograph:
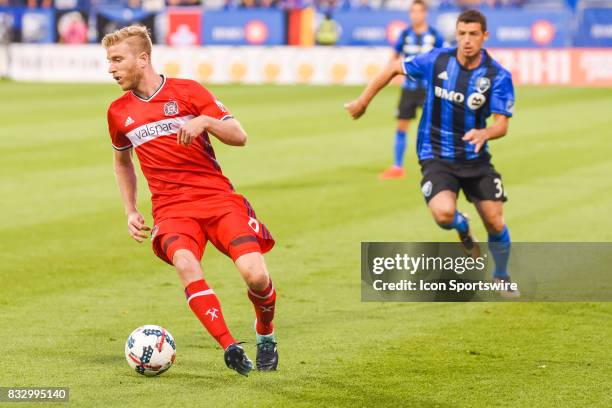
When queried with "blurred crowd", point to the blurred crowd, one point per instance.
{"points": [[283, 4], [405, 4]]}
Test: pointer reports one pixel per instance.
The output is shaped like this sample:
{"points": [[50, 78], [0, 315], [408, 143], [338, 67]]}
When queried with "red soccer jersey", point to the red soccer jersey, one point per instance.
{"points": [[184, 181]]}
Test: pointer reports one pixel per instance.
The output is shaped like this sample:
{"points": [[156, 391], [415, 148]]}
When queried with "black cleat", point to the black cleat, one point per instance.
{"points": [[267, 355], [468, 242], [236, 359]]}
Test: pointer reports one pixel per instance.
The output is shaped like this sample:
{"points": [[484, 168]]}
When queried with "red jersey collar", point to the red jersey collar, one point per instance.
{"points": [[154, 93]]}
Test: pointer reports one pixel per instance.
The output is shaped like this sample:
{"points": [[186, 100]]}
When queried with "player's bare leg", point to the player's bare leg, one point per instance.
{"points": [[492, 215], [261, 292], [205, 305], [443, 207], [253, 269], [397, 170], [187, 266], [403, 124]]}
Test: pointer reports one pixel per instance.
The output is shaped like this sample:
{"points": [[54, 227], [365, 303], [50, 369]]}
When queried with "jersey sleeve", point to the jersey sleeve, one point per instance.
{"points": [[206, 103], [502, 95], [118, 139], [399, 43], [439, 40], [417, 67]]}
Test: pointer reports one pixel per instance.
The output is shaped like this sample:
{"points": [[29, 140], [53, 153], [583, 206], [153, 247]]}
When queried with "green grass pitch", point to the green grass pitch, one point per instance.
{"points": [[74, 285]]}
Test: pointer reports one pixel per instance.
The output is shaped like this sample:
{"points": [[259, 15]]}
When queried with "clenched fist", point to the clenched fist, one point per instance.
{"points": [[190, 130], [355, 108]]}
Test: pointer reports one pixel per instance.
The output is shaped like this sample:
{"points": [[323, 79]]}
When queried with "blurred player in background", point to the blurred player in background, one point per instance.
{"points": [[465, 86], [167, 122], [417, 39]]}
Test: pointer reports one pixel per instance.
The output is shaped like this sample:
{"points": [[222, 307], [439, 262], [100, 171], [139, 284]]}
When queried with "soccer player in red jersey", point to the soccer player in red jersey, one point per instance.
{"points": [[168, 122]]}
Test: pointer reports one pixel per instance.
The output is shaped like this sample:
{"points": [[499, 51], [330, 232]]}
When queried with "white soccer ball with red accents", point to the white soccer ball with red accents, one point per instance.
{"points": [[150, 350]]}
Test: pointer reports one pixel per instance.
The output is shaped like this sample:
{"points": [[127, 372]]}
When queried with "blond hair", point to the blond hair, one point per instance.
{"points": [[137, 35]]}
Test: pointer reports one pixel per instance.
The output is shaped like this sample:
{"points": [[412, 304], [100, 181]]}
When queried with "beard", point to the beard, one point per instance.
{"points": [[131, 80]]}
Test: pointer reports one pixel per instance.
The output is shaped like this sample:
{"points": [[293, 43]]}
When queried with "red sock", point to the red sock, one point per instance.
{"points": [[264, 302], [205, 305]]}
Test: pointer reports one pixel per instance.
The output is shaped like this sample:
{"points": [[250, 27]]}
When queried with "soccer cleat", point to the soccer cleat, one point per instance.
{"points": [[509, 293], [469, 242], [392, 173], [267, 355], [236, 359]]}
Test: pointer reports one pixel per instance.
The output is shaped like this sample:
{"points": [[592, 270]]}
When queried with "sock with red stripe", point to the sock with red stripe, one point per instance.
{"points": [[264, 302], [205, 305]]}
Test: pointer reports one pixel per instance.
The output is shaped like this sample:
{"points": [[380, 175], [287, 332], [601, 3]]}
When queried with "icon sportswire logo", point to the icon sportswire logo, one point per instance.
{"points": [[147, 132]]}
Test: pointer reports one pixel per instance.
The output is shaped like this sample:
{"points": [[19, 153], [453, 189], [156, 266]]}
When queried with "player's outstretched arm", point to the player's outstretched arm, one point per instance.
{"points": [[358, 107], [127, 182], [228, 131], [478, 137]]}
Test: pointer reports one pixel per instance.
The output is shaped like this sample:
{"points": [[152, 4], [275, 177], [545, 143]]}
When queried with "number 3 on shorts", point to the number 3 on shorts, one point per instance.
{"points": [[253, 223], [498, 187]]}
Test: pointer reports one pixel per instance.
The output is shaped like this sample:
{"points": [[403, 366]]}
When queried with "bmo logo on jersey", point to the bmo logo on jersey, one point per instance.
{"points": [[475, 101], [452, 96]]}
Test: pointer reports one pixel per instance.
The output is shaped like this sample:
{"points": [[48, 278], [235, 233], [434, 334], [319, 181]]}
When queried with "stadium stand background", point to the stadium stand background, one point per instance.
{"points": [[559, 42]]}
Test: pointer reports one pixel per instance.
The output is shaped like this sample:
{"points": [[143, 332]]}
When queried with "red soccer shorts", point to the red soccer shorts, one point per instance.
{"points": [[234, 233]]}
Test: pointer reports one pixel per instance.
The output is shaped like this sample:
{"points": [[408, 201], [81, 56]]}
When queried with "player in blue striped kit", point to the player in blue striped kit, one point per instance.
{"points": [[465, 87], [418, 38]]}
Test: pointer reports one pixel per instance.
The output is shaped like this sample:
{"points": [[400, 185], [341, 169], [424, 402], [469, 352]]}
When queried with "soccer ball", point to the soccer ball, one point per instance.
{"points": [[150, 350]]}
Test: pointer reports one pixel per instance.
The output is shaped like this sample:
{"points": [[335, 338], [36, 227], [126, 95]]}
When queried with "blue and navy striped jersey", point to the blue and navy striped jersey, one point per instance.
{"points": [[410, 44], [458, 100]]}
